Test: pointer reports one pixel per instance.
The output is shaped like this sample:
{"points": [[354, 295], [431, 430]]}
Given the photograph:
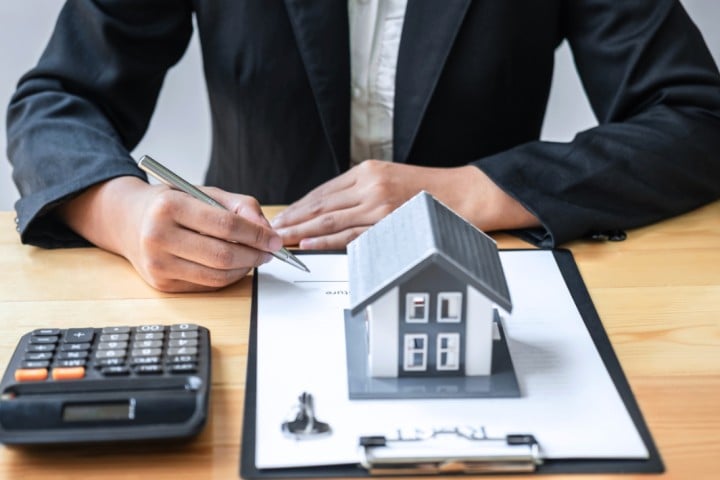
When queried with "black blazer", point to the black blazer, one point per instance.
{"points": [[472, 85]]}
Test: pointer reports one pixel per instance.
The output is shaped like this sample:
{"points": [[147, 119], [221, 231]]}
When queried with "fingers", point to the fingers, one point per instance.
{"points": [[227, 225], [359, 198], [206, 251], [171, 274], [335, 241], [186, 245], [336, 194], [328, 224]]}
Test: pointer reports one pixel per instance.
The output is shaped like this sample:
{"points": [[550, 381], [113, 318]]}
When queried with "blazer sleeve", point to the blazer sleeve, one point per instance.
{"points": [[75, 117], [655, 91]]}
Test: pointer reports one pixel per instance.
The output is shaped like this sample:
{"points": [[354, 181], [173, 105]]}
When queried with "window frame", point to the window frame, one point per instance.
{"points": [[410, 307], [457, 297], [409, 350], [447, 350]]}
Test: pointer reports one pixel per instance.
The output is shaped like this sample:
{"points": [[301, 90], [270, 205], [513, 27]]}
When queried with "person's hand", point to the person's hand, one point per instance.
{"points": [[336, 212], [176, 242]]}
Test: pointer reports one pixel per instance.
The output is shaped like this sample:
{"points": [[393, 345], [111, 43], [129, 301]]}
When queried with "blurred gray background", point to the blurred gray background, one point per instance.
{"points": [[179, 133]]}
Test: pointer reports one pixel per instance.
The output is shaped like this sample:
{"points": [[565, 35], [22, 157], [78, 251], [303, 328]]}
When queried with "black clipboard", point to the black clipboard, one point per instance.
{"points": [[581, 297]]}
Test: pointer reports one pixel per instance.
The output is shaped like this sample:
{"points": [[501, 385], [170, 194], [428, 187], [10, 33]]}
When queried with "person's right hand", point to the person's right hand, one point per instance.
{"points": [[176, 242]]}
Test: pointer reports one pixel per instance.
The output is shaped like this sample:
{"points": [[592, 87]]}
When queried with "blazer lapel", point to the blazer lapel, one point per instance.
{"points": [[428, 33], [322, 34]]}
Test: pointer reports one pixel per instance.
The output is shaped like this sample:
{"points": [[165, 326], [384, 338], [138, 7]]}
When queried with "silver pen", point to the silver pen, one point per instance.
{"points": [[168, 177]]}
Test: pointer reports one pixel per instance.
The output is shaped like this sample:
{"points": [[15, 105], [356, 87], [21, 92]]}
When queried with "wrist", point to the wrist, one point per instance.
{"points": [[103, 214], [474, 196]]}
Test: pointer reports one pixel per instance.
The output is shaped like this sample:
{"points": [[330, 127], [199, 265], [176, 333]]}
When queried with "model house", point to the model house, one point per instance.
{"points": [[428, 283]]}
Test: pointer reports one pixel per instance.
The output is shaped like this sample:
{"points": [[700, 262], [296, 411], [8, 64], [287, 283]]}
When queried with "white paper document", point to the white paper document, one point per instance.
{"points": [[568, 400]]}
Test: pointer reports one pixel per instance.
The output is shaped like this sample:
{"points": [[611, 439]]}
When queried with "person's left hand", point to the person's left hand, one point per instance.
{"points": [[336, 212]]}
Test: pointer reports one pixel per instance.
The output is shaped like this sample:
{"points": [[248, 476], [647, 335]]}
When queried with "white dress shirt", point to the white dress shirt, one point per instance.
{"points": [[375, 29]]}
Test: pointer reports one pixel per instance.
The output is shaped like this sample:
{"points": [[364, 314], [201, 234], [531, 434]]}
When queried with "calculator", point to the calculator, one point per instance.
{"points": [[145, 382]]}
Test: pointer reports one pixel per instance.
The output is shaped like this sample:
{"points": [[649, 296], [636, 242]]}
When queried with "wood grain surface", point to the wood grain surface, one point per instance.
{"points": [[657, 293]]}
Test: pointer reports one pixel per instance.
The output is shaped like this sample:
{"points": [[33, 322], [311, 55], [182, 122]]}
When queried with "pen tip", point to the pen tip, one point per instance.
{"points": [[296, 262], [299, 264], [286, 256]]}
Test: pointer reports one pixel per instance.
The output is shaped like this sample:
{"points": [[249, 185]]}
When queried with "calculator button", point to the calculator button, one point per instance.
{"points": [[46, 331], [115, 370], [150, 328], [146, 352], [30, 374], [71, 355], [38, 356], [183, 342], [181, 359], [175, 335], [148, 369], [35, 339], [112, 345], [41, 347], [147, 344], [180, 327], [116, 330], [150, 336], [110, 354], [74, 347], [35, 364], [79, 335], [110, 362], [182, 351], [70, 373], [114, 337], [144, 360], [184, 368], [73, 362]]}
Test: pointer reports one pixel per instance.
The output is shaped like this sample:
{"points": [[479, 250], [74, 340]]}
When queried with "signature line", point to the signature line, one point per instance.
{"points": [[320, 281]]}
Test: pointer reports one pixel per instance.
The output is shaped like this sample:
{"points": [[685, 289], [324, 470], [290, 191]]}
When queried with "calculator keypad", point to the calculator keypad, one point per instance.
{"points": [[144, 350]]}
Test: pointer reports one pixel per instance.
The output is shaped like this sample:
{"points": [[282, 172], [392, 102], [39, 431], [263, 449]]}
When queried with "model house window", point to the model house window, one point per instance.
{"points": [[415, 358], [416, 307], [449, 307], [448, 351]]}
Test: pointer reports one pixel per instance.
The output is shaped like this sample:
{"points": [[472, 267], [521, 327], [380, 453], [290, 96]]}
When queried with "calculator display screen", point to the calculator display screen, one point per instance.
{"points": [[90, 412]]}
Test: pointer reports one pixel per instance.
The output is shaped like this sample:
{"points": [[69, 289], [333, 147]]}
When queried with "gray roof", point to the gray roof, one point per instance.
{"points": [[419, 232]]}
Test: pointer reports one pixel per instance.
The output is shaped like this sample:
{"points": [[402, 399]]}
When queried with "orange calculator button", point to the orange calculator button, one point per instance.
{"points": [[68, 373], [31, 374]]}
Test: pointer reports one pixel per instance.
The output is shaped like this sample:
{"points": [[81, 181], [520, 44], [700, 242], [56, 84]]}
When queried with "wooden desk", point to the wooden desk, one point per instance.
{"points": [[658, 294]]}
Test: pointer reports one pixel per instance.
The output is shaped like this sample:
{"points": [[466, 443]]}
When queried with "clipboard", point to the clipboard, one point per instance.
{"points": [[521, 448]]}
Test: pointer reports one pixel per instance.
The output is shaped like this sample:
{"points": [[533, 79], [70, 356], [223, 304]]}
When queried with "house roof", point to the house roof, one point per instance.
{"points": [[419, 232]]}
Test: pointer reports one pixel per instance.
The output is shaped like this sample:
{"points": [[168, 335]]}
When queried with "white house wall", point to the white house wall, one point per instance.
{"points": [[478, 338], [383, 335]]}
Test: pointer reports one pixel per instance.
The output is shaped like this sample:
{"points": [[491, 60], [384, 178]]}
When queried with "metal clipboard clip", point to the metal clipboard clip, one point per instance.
{"points": [[447, 451]]}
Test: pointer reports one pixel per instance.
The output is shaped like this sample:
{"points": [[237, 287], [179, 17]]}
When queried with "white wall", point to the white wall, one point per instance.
{"points": [[180, 130]]}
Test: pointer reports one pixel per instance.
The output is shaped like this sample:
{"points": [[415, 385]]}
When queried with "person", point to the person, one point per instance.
{"points": [[344, 110]]}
